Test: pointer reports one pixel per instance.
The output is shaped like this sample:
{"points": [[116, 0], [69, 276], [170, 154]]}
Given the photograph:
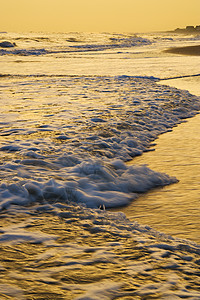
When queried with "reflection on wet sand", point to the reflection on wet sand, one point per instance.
{"points": [[173, 209]]}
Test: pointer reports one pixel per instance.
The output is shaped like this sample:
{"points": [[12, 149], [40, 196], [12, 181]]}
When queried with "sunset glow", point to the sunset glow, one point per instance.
{"points": [[97, 16]]}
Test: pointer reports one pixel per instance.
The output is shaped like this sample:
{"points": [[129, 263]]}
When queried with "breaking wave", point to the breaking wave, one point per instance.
{"points": [[81, 159], [54, 48]]}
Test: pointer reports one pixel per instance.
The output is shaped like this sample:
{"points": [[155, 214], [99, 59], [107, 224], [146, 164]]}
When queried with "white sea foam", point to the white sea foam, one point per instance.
{"points": [[83, 161]]}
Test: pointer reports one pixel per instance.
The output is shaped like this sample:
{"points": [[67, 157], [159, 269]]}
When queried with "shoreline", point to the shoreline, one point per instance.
{"points": [[172, 163], [139, 210], [186, 50]]}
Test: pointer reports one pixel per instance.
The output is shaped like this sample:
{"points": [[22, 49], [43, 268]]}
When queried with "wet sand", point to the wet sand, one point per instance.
{"points": [[188, 50], [177, 204], [172, 209]]}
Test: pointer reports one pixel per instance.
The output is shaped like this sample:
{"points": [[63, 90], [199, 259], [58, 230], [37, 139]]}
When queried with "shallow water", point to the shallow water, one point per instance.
{"points": [[70, 252], [63, 143]]}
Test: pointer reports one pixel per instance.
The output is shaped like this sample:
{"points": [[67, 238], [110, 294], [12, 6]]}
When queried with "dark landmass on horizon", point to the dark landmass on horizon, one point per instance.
{"points": [[187, 50], [188, 30]]}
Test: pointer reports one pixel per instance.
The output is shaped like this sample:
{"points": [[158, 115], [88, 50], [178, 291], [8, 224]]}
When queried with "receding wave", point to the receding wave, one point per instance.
{"points": [[75, 150]]}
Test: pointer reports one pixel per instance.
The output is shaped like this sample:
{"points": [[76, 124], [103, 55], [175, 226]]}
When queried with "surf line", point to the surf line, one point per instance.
{"points": [[179, 77]]}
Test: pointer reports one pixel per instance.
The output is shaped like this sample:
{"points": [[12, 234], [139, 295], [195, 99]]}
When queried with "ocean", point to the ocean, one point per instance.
{"points": [[76, 109]]}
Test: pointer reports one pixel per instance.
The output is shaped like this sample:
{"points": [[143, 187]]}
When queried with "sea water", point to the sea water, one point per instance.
{"points": [[75, 108]]}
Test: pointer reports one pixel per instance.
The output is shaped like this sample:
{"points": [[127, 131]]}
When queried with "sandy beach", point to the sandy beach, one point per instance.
{"points": [[188, 50]]}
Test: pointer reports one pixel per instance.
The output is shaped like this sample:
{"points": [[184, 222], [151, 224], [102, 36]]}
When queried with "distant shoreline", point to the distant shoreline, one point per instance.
{"points": [[187, 50]]}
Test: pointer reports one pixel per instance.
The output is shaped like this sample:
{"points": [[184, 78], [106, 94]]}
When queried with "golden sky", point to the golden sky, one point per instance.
{"points": [[98, 15]]}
